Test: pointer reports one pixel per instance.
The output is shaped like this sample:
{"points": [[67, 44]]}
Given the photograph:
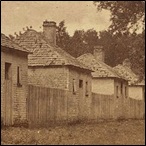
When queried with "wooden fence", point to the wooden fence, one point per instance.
{"points": [[47, 105], [110, 107]]}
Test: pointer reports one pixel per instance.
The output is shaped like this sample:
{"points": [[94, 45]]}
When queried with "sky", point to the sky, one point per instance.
{"points": [[16, 15]]}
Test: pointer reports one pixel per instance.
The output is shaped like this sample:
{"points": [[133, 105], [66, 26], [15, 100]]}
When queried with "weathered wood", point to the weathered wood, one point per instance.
{"points": [[47, 105]]}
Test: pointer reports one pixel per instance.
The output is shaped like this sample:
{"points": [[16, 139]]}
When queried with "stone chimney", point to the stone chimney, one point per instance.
{"points": [[99, 53], [49, 30], [127, 63]]}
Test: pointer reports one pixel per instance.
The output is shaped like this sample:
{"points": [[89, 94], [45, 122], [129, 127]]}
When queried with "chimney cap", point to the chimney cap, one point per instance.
{"points": [[98, 47], [127, 63], [49, 23]]}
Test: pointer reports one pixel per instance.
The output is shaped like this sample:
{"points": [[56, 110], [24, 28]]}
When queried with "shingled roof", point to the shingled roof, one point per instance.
{"points": [[8, 43], [100, 68], [45, 54], [142, 83], [126, 73]]}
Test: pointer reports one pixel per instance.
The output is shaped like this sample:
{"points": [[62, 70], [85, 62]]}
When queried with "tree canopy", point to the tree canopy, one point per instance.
{"points": [[117, 47], [125, 15]]}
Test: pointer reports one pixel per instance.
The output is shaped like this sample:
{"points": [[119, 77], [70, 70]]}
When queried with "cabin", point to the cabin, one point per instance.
{"points": [[135, 88], [50, 66], [104, 79], [14, 77]]}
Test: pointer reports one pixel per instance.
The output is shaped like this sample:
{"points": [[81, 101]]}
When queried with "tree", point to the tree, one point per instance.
{"points": [[81, 42], [121, 46], [125, 15], [62, 37], [91, 40], [115, 47], [137, 53], [77, 44]]}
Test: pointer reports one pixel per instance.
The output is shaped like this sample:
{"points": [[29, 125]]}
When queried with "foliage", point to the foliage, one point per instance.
{"points": [[124, 14], [63, 37], [137, 53], [81, 42], [117, 47], [121, 46]]}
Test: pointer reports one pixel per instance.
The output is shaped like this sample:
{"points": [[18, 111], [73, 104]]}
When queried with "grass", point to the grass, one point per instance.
{"points": [[130, 132]]}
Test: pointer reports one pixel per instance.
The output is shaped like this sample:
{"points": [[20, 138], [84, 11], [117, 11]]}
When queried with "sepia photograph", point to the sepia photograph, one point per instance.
{"points": [[72, 72]]}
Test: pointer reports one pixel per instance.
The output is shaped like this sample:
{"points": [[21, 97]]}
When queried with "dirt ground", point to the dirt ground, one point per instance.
{"points": [[130, 132]]}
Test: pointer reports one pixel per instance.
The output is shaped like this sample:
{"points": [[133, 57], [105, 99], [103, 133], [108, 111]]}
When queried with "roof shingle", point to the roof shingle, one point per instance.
{"points": [[45, 54], [126, 73], [100, 68], [6, 42]]}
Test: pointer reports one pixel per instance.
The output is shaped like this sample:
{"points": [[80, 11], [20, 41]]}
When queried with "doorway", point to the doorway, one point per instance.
{"points": [[8, 95]]}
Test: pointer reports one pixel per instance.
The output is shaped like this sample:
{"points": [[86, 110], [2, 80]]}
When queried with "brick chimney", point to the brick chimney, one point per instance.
{"points": [[99, 53], [127, 63], [49, 30]]}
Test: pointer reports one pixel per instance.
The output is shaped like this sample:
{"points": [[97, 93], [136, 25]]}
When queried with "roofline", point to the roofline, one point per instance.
{"points": [[25, 49], [35, 66], [9, 48], [137, 85], [79, 68], [109, 78]]}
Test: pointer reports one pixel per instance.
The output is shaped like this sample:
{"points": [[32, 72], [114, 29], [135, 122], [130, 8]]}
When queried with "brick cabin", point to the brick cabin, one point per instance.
{"points": [[104, 79], [135, 88], [50, 66], [14, 66]]}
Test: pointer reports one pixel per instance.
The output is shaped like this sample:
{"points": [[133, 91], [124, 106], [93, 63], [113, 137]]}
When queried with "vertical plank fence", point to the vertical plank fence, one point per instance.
{"points": [[46, 106]]}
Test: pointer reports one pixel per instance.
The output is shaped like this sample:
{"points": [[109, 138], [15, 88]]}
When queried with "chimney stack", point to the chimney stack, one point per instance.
{"points": [[127, 63], [49, 30], [99, 53]]}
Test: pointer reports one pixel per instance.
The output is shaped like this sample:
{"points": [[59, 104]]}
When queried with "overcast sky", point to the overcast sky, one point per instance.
{"points": [[16, 15]]}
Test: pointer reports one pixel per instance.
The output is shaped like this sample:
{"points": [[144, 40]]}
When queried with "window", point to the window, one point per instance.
{"points": [[7, 70], [74, 86], [121, 88], [117, 88], [80, 83], [125, 92], [87, 89], [18, 77]]}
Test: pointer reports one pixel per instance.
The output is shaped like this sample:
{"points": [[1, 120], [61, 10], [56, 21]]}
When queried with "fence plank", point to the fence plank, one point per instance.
{"points": [[46, 105]]}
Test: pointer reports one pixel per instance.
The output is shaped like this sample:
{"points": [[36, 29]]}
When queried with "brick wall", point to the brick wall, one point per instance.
{"points": [[19, 94], [62, 78], [53, 77], [79, 105]]}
